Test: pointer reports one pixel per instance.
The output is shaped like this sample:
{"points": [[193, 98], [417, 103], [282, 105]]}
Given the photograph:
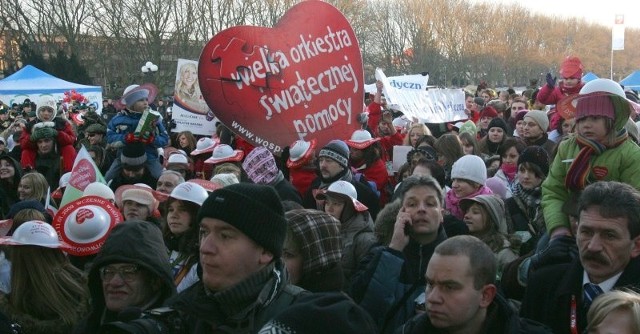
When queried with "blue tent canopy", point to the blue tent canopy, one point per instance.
{"points": [[31, 80], [632, 81], [36, 85], [589, 76]]}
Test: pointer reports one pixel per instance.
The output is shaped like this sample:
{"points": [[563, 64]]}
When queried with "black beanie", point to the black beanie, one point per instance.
{"points": [[133, 154], [338, 151], [498, 122], [535, 155], [253, 209], [330, 312]]}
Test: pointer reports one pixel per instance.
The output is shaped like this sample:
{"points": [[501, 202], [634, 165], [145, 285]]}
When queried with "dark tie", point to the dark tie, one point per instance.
{"points": [[591, 291]]}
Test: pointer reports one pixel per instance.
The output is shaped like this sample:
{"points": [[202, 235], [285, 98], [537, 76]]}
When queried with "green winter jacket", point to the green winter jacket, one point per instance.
{"points": [[621, 164]]}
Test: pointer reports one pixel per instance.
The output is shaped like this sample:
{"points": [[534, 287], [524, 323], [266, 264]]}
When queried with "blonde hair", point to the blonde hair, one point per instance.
{"points": [[615, 301], [44, 284], [182, 90], [421, 126], [38, 183]]}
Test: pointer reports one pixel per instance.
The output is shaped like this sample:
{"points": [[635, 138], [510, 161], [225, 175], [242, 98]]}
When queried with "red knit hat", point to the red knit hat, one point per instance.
{"points": [[571, 68], [488, 111]]}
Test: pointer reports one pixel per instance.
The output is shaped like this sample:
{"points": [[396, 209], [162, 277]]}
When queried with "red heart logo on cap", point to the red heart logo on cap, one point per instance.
{"points": [[301, 79], [83, 214], [82, 174]]}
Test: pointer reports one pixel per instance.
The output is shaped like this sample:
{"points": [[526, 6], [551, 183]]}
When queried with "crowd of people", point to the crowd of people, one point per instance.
{"points": [[522, 218]]}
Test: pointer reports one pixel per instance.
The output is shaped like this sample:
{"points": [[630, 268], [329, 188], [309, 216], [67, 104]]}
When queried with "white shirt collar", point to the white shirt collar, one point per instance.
{"points": [[606, 286]]}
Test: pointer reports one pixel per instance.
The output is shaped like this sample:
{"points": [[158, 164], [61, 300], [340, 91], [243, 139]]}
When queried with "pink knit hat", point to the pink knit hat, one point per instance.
{"points": [[597, 105]]}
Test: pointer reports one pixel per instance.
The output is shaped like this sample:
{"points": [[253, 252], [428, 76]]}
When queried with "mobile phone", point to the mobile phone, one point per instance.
{"points": [[408, 229]]}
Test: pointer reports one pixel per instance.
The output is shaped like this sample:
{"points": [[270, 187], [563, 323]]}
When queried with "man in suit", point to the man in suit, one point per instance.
{"points": [[608, 239]]}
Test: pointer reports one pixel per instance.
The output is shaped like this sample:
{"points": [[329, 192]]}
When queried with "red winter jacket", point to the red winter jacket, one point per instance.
{"points": [[301, 178], [377, 173]]}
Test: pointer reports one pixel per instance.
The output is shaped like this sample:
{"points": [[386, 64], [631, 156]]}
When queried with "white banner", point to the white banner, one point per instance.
{"points": [[189, 108], [413, 81], [432, 106], [617, 33]]}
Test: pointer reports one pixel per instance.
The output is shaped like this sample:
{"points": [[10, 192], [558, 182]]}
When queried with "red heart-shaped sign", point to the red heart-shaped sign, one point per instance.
{"points": [[82, 174], [83, 214], [301, 79]]}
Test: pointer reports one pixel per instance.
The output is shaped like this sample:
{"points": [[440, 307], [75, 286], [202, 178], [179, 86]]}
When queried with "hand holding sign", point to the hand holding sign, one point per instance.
{"points": [[300, 79]]}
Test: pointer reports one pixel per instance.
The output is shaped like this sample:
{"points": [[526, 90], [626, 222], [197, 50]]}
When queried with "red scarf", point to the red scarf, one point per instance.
{"points": [[578, 173]]}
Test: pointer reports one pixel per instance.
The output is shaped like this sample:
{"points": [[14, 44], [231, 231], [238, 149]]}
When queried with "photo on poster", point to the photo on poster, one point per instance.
{"points": [[190, 111]]}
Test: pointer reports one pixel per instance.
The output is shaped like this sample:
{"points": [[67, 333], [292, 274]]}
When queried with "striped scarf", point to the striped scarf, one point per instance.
{"points": [[580, 168]]}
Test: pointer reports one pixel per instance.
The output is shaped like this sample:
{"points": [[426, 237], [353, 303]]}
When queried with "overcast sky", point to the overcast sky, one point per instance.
{"points": [[598, 11]]}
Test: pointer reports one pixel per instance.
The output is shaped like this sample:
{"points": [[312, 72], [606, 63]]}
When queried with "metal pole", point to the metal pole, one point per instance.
{"points": [[611, 74]]}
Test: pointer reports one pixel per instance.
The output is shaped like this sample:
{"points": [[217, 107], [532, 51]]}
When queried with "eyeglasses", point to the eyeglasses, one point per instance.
{"points": [[127, 273]]}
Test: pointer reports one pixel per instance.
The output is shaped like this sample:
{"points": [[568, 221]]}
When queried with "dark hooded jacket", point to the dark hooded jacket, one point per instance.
{"points": [[133, 242]]}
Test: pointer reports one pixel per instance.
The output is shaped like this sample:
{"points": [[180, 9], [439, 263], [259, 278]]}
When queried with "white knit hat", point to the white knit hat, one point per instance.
{"points": [[470, 167]]}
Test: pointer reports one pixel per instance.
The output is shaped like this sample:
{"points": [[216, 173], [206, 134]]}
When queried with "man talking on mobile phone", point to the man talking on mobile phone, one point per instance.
{"points": [[393, 277]]}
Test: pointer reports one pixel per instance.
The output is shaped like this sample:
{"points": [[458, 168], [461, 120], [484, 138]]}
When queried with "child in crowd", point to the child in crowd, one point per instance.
{"points": [[122, 127], [570, 83], [46, 116], [486, 218], [600, 150], [469, 175]]}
